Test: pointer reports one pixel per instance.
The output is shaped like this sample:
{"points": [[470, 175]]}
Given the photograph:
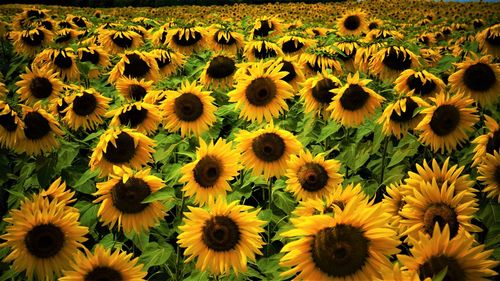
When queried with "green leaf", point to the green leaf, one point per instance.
{"points": [[162, 195], [328, 130], [88, 216], [88, 175], [93, 136], [283, 201], [155, 254], [66, 155], [440, 276]]}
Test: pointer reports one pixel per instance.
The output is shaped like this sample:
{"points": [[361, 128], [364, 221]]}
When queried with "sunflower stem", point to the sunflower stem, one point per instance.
{"points": [[384, 154], [270, 202]]}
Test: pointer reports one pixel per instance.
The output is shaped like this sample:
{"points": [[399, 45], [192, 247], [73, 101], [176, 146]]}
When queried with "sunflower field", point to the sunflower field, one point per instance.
{"points": [[348, 141]]}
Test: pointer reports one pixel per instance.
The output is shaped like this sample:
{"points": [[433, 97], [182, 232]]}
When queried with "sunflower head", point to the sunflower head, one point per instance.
{"points": [[422, 83], [389, 62], [135, 65], [352, 23], [219, 71], [316, 92], [401, 115]]}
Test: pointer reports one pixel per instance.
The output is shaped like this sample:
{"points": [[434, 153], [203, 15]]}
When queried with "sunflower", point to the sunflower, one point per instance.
{"points": [[389, 62], [400, 116], [123, 148], [316, 93], [352, 245], [261, 49], [261, 94], [3, 91], [364, 56], [219, 71], [489, 171], [422, 83], [488, 40], [58, 105], [95, 55], [135, 64], [40, 131], [65, 36], [487, 143], [30, 42], [348, 50], [11, 127], [267, 150], [393, 204], [61, 61], [133, 89], [43, 238], [143, 117], [438, 203], [57, 191], [317, 32], [354, 102], [375, 24], [189, 109], [339, 197], [86, 109], [104, 265], [168, 61], [223, 40], [187, 40], [479, 78], [447, 123], [462, 260], [293, 45], [381, 35], [116, 42], [207, 177], [317, 60], [223, 237], [295, 75], [312, 177], [265, 26], [122, 197], [352, 23], [38, 84], [159, 37], [80, 22], [396, 273]]}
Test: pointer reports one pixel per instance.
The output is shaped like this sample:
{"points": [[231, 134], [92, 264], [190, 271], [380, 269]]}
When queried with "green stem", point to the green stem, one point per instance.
{"points": [[384, 154], [179, 268], [270, 202]]}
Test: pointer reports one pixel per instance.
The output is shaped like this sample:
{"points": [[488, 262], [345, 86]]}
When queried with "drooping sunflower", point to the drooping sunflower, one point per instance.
{"points": [[267, 150], [189, 109], [159, 37], [400, 116], [422, 83], [30, 42], [487, 143], [349, 53], [364, 56], [447, 123], [352, 23], [168, 61], [207, 177], [86, 109], [40, 131], [489, 171], [295, 75], [389, 62], [463, 261], [488, 40], [478, 78], [38, 84], [116, 41], [354, 102], [438, 203], [317, 60], [11, 127], [58, 191], [312, 177], [375, 23], [316, 93], [219, 71], [187, 40], [43, 238], [135, 64], [65, 36], [122, 197], [351, 245], [221, 39], [261, 93], [378, 35], [123, 148], [142, 116], [97, 56], [261, 49], [104, 265], [61, 61], [133, 89], [265, 26], [293, 45], [223, 237]]}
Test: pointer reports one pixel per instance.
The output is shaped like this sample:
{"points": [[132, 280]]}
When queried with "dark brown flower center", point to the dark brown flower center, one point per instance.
{"points": [[121, 40], [268, 147], [34, 39], [321, 92], [62, 60], [479, 77], [103, 273], [64, 37], [493, 39], [312, 177], [163, 61], [7, 121], [340, 251], [372, 25], [396, 60], [352, 22], [127, 197], [188, 107], [223, 41], [85, 104], [445, 120], [90, 57], [420, 88], [407, 115], [291, 46], [80, 22], [221, 67], [264, 29], [35, 14], [493, 143], [207, 171], [44, 241], [436, 264], [137, 67], [221, 233], [62, 107], [35, 126], [496, 176], [442, 215], [124, 150], [64, 24], [133, 117], [354, 97], [40, 87], [264, 53], [47, 24], [261, 91], [137, 92], [185, 42], [288, 67], [316, 66]]}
